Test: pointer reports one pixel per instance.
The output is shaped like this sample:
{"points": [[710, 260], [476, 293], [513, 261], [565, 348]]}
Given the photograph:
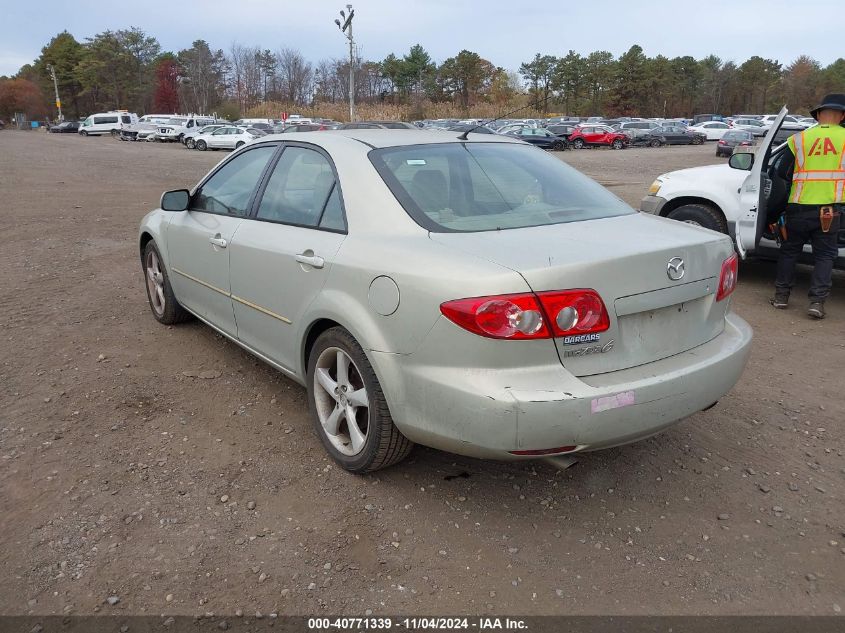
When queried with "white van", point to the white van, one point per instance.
{"points": [[107, 123]]}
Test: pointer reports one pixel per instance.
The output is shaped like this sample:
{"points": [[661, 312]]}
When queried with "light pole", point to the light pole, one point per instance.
{"points": [[56, 87], [346, 29]]}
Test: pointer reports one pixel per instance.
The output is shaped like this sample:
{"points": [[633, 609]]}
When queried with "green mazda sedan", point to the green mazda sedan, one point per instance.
{"points": [[470, 293]]}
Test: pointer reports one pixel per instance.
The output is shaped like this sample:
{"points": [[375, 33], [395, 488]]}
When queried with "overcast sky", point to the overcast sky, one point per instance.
{"points": [[506, 33]]}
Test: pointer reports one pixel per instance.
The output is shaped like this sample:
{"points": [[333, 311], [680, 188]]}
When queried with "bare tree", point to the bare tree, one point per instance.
{"points": [[245, 78], [294, 76]]}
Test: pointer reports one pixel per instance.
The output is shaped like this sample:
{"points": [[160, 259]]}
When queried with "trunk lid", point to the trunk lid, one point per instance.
{"points": [[626, 260]]}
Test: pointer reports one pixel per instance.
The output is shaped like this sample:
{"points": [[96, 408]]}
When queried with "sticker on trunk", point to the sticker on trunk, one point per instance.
{"points": [[616, 401]]}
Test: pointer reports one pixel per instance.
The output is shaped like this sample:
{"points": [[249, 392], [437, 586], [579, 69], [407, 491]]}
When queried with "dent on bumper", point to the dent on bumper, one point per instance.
{"points": [[487, 413]]}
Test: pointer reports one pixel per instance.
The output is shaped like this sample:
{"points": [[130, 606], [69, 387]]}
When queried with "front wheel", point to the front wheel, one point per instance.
{"points": [[163, 302], [578, 143], [189, 143], [697, 140], [558, 146], [239, 144], [115, 133], [348, 407], [202, 145], [655, 143], [700, 215], [617, 144], [83, 133]]}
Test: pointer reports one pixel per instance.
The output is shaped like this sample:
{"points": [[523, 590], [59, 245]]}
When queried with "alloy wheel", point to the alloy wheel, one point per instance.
{"points": [[341, 399], [155, 283]]}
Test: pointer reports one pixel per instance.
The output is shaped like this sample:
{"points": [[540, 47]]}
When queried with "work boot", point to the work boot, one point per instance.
{"points": [[780, 302], [816, 310]]}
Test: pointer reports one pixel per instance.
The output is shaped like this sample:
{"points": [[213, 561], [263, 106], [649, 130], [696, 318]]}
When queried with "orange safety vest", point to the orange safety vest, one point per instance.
{"points": [[819, 175]]}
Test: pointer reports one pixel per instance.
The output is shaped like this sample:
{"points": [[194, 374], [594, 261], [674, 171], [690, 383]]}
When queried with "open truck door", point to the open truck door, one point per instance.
{"points": [[755, 191]]}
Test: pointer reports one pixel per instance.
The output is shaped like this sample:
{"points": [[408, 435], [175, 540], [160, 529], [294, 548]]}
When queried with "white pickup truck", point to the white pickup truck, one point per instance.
{"points": [[734, 198]]}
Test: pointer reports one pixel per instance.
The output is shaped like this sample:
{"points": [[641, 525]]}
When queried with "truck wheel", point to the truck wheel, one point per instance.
{"points": [[83, 133], [700, 215]]}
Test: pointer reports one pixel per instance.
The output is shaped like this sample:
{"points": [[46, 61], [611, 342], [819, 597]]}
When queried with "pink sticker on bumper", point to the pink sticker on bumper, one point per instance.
{"points": [[624, 399]]}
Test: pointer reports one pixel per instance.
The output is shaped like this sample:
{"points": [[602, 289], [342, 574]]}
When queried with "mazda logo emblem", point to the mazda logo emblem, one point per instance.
{"points": [[675, 269]]}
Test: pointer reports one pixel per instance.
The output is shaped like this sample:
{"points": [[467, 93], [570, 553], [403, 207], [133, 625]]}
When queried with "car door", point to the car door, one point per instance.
{"points": [[754, 193], [282, 256], [218, 137], [198, 239]]}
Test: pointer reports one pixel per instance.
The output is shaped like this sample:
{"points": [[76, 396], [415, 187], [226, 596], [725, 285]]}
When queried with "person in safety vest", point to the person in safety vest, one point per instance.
{"points": [[815, 164]]}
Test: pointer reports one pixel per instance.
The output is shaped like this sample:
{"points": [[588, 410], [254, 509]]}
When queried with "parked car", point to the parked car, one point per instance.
{"points": [[65, 127], [596, 136], [730, 200], [563, 130], [189, 138], [755, 126], [107, 123], [375, 125], [636, 129], [550, 319], [474, 129], [702, 118], [789, 123], [229, 137], [305, 127], [668, 135], [541, 137], [713, 130], [732, 139]]}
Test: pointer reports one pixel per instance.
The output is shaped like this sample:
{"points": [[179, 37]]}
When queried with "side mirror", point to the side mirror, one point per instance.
{"points": [[176, 200], [742, 161]]}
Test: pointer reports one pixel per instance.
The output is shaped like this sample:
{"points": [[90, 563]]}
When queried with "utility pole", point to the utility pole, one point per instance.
{"points": [[56, 87], [346, 29]]}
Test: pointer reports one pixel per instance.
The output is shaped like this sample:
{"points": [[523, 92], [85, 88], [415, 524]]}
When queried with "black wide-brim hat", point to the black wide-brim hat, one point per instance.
{"points": [[833, 101]]}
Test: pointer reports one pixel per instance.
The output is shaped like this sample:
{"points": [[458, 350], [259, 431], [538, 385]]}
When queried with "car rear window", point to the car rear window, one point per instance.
{"points": [[469, 187]]}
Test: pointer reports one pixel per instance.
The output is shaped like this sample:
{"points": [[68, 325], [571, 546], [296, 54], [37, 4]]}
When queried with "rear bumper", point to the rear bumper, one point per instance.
{"points": [[488, 413]]}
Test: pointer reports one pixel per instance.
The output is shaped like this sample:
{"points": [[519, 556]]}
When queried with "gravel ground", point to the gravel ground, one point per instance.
{"points": [[148, 469]]}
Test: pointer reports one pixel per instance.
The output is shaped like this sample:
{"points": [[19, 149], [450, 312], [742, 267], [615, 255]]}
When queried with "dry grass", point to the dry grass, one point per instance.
{"points": [[388, 111]]}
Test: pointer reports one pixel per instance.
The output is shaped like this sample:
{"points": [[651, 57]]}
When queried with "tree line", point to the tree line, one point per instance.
{"points": [[127, 69]]}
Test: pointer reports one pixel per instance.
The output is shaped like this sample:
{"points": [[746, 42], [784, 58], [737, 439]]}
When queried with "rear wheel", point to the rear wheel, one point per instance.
{"points": [[189, 143], [617, 144], [348, 407], [578, 143], [202, 145], [700, 215]]}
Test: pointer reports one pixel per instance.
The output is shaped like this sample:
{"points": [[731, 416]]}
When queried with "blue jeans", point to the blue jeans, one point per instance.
{"points": [[803, 225]]}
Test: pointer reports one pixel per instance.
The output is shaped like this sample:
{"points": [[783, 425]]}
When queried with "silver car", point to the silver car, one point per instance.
{"points": [[478, 296]]}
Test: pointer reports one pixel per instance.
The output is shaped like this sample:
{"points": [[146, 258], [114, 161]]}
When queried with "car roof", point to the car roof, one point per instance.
{"points": [[383, 138]]}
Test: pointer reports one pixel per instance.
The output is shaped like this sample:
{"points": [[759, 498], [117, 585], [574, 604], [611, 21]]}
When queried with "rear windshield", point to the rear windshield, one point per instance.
{"points": [[490, 186]]}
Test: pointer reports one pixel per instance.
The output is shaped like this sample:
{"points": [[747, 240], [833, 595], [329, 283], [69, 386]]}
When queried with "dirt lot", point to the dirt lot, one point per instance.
{"points": [[117, 450]]}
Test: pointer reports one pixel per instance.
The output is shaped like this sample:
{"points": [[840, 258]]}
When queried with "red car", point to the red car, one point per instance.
{"points": [[590, 135]]}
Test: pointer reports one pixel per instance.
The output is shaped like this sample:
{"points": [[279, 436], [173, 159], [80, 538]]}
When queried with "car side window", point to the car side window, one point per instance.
{"points": [[298, 189], [230, 188], [333, 213]]}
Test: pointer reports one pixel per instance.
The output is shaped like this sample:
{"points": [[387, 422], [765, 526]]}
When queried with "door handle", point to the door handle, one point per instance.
{"points": [[219, 241], [315, 261]]}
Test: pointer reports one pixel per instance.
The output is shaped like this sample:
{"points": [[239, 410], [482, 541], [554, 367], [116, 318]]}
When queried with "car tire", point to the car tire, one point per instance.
{"points": [[163, 303], [578, 143], [558, 146], [239, 144], [381, 444], [83, 133], [697, 141], [115, 134], [655, 143], [201, 145], [700, 215], [617, 144], [189, 143]]}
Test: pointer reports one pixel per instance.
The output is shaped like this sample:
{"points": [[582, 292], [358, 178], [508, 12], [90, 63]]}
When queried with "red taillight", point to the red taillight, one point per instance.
{"points": [[728, 277], [530, 316], [722, 142]]}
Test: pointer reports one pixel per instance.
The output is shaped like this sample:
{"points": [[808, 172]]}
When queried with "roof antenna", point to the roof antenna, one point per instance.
{"points": [[538, 103]]}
